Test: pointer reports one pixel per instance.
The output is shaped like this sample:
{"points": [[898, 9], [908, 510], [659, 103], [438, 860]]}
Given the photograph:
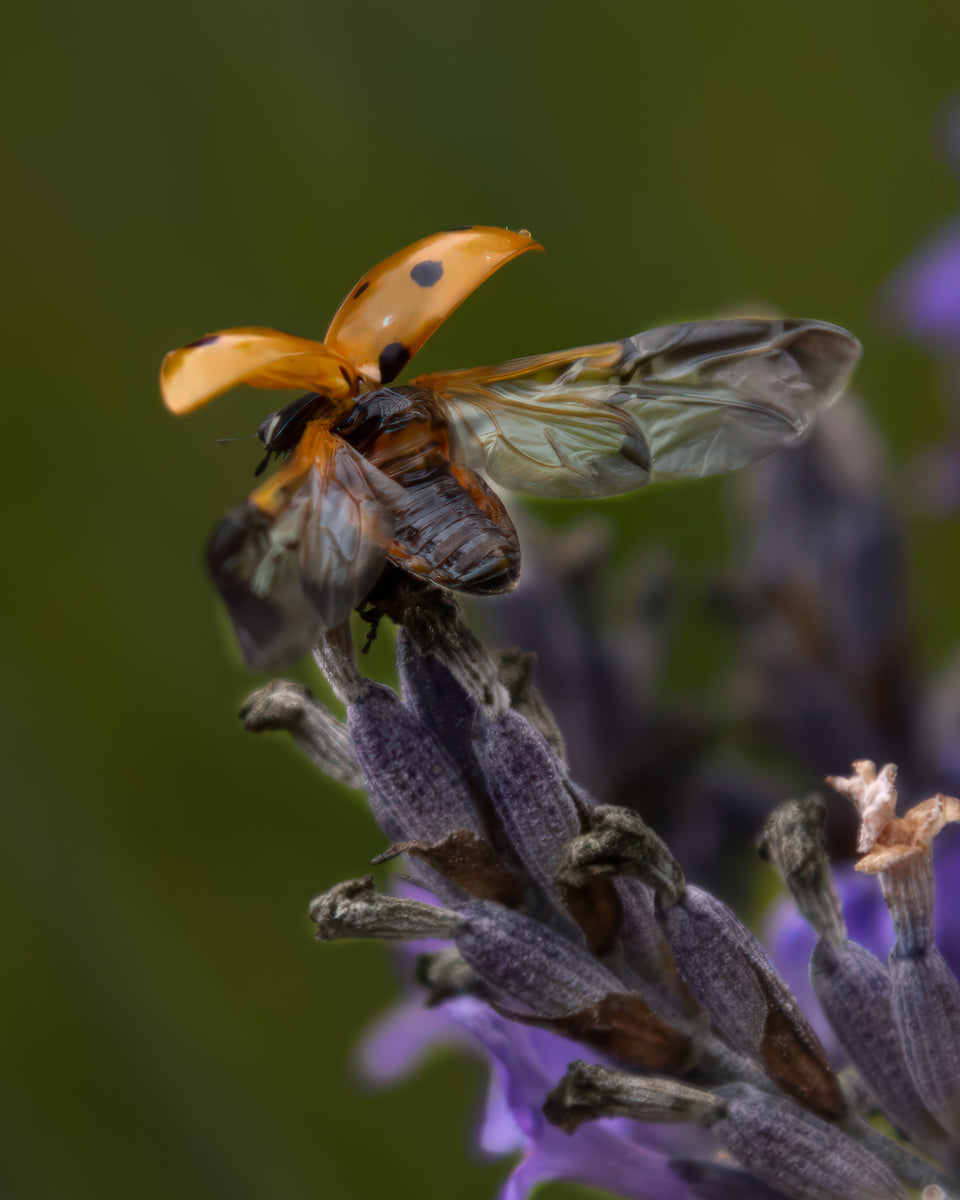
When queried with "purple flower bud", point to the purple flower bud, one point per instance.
{"points": [[439, 701], [642, 957], [797, 1152], [728, 971], [434, 627], [786, 1147], [532, 972], [855, 992], [525, 962], [926, 1002], [531, 794], [415, 789], [926, 994], [643, 948], [711, 1180]]}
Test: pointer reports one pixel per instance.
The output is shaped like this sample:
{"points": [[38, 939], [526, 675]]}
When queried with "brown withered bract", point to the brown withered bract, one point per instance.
{"points": [[468, 861]]}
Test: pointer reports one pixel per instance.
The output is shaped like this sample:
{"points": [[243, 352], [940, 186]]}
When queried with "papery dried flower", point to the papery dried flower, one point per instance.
{"points": [[926, 993]]}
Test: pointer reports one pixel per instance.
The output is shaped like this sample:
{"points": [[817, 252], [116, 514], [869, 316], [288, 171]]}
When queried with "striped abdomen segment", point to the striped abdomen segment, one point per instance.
{"points": [[451, 528]]}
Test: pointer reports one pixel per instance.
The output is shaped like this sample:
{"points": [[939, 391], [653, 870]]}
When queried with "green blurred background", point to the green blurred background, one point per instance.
{"points": [[167, 1026]]}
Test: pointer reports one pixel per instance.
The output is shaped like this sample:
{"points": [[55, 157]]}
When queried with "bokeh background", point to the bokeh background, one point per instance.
{"points": [[167, 1026]]}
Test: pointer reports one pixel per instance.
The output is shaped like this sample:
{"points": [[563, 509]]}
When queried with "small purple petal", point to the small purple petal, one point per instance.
{"points": [[396, 1043], [500, 1133], [622, 1156], [394, 1047]]}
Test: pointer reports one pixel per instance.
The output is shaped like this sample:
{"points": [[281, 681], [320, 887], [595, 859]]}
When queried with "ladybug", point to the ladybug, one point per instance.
{"points": [[375, 474]]}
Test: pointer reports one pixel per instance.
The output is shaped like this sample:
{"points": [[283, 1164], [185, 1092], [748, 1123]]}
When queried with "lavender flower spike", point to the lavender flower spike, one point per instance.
{"points": [[926, 994], [543, 942]]}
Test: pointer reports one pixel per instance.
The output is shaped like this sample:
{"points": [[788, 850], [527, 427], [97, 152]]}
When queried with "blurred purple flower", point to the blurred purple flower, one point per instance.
{"points": [[818, 597], [924, 293], [826, 665], [922, 299], [825, 669]]}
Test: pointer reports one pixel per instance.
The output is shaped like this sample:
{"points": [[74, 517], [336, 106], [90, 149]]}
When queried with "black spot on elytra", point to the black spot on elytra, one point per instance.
{"points": [[360, 290], [206, 340], [393, 359], [427, 273]]}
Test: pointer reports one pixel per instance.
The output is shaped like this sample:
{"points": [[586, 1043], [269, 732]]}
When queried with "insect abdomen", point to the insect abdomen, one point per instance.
{"points": [[445, 536], [451, 529]]}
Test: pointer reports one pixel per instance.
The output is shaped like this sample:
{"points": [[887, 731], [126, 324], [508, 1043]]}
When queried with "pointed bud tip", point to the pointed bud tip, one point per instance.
{"points": [[355, 909], [278, 705]]}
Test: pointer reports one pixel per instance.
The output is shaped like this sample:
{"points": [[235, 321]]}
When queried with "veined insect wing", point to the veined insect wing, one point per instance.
{"points": [[304, 549], [679, 401]]}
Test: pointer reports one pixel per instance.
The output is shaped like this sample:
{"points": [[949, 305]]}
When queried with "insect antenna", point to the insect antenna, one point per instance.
{"points": [[248, 437]]}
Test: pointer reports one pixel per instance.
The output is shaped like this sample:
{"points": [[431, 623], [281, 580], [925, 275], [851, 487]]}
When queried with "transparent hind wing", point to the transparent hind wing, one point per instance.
{"points": [[304, 549], [682, 400]]}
